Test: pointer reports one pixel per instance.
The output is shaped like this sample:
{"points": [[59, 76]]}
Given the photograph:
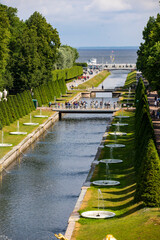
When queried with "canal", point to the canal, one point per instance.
{"points": [[39, 192]]}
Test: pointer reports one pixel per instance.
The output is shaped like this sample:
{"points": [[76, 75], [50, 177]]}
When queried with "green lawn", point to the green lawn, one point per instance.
{"points": [[132, 221], [16, 139], [131, 79], [95, 81]]}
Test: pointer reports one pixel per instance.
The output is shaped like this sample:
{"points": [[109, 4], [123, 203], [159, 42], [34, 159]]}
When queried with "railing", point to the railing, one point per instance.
{"points": [[92, 106]]}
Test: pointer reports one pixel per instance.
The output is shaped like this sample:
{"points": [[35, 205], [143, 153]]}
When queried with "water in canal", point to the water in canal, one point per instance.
{"points": [[39, 193]]}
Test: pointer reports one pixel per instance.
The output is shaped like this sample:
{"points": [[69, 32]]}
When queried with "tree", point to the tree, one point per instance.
{"points": [[16, 30], [4, 42], [47, 43], [66, 57], [148, 54]]}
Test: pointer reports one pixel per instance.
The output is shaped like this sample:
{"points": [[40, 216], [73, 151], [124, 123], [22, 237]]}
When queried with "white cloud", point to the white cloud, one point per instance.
{"points": [[73, 17], [108, 6], [70, 10]]}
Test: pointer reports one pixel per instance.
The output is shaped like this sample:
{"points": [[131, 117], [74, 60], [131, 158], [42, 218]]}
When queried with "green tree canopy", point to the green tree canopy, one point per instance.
{"points": [[47, 43], [66, 57], [4, 42], [148, 54]]}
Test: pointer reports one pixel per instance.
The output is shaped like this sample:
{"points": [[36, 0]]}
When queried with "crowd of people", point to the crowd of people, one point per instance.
{"points": [[156, 113], [84, 104]]}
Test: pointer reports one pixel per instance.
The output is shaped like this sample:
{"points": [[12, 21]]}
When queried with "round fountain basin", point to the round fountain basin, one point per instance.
{"points": [[30, 124], [18, 133], [105, 183], [5, 145], [111, 161], [122, 116], [120, 124], [101, 146], [98, 214], [118, 133], [115, 145], [40, 116]]}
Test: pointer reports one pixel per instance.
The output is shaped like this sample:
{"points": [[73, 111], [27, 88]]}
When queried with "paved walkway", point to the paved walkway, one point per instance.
{"points": [[155, 120], [76, 82]]}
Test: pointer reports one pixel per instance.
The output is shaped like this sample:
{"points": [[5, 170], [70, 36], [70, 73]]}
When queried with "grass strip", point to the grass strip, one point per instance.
{"points": [[16, 139], [95, 81], [132, 221], [131, 79]]}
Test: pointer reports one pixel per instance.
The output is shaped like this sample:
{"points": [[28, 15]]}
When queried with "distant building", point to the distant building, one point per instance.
{"points": [[92, 61]]}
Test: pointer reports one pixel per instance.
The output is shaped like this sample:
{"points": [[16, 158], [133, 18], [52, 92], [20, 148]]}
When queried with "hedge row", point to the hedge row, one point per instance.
{"points": [[47, 92], [67, 73], [147, 164], [15, 107]]}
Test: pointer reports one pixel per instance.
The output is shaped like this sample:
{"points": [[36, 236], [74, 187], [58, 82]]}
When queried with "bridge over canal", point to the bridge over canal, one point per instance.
{"points": [[113, 66], [85, 110]]}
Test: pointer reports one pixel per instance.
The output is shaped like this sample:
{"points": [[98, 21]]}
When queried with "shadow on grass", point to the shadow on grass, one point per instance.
{"points": [[132, 210], [124, 191], [120, 199]]}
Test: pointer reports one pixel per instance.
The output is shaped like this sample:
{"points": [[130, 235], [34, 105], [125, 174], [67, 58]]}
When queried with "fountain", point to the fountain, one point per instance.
{"points": [[115, 145], [118, 124], [111, 159], [98, 214], [18, 132], [107, 181], [117, 132], [40, 116], [122, 116], [4, 144], [30, 123]]}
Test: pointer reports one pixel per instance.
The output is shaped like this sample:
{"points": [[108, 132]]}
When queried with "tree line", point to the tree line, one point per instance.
{"points": [[149, 51], [147, 164], [15, 107], [30, 51]]}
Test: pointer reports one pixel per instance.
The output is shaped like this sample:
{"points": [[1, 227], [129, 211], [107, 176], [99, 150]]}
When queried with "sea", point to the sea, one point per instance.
{"points": [[104, 55]]}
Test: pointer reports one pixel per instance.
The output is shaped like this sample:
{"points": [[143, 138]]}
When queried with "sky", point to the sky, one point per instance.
{"points": [[92, 23]]}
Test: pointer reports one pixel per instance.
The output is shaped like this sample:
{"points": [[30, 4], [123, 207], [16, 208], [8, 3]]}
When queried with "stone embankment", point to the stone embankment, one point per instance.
{"points": [[11, 156], [75, 215]]}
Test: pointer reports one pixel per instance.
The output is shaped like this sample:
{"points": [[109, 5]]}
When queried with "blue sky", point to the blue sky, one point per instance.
{"points": [[92, 22]]}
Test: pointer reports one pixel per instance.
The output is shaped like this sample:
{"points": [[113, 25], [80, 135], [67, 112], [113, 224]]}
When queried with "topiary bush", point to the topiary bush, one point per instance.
{"points": [[148, 184]]}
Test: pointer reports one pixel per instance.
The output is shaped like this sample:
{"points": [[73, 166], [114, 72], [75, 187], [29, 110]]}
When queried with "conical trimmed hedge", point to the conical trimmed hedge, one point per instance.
{"points": [[148, 185]]}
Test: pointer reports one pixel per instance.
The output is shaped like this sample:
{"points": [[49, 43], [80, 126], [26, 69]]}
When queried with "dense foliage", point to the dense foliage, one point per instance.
{"points": [[148, 54], [147, 164], [66, 57], [15, 107], [30, 51], [53, 89]]}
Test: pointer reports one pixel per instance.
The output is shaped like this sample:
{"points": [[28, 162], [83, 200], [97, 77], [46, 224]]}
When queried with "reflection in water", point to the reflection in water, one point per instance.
{"points": [[40, 192]]}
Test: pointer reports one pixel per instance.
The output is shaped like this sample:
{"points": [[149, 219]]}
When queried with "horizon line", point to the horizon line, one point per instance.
{"points": [[108, 47]]}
